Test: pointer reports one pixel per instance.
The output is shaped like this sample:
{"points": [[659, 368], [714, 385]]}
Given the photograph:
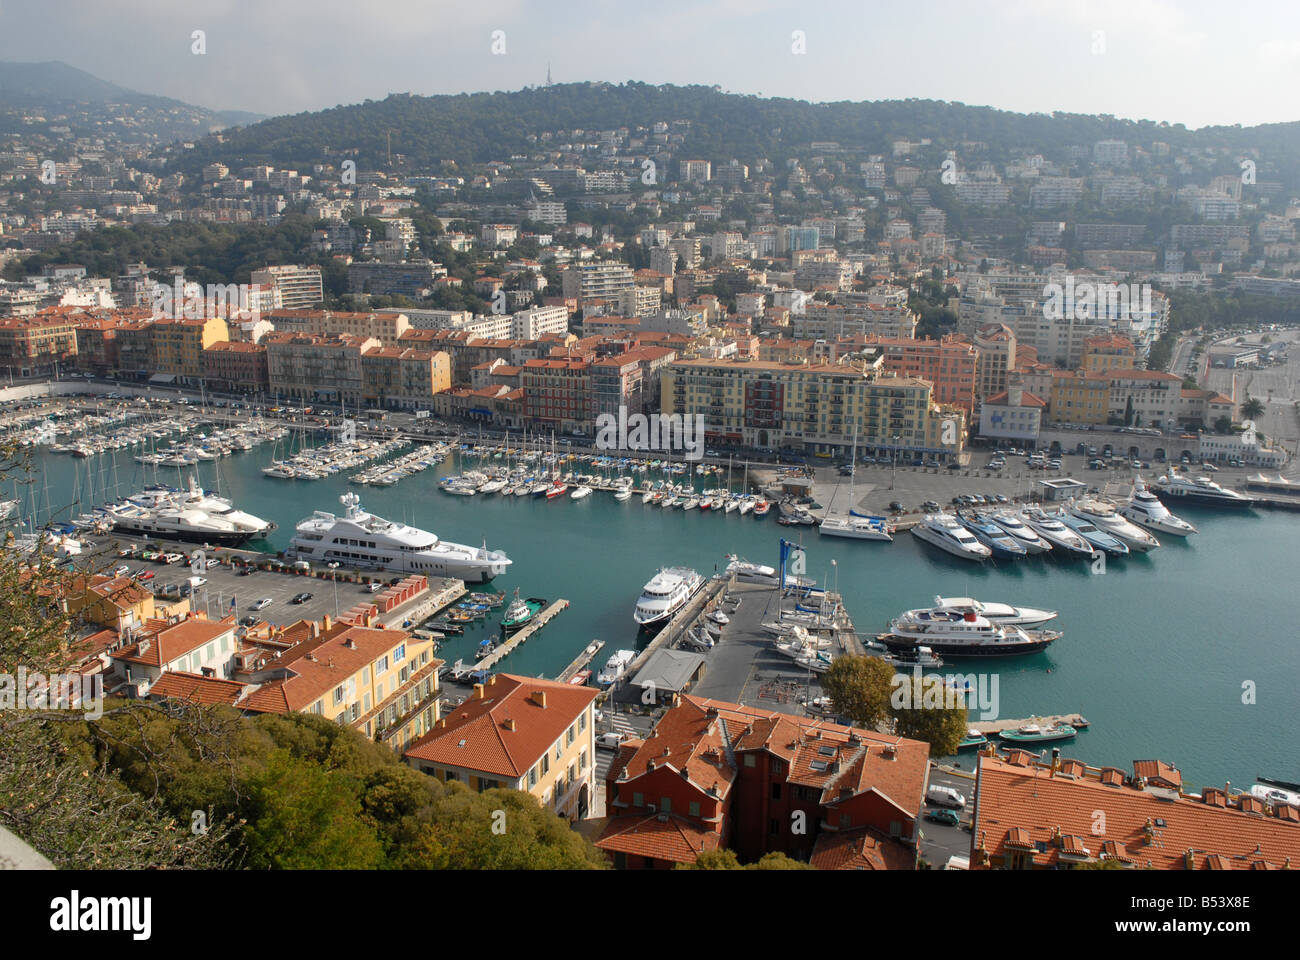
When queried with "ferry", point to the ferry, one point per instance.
{"points": [[363, 540], [1033, 733], [665, 594]]}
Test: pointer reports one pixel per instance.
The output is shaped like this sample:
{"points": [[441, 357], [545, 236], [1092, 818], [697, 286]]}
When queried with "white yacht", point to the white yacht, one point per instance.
{"points": [[1180, 487], [943, 530], [857, 528], [996, 613], [955, 634], [1021, 532], [1145, 509], [360, 539], [580, 493], [1104, 515], [1063, 540], [192, 515], [7, 508], [665, 594], [615, 667]]}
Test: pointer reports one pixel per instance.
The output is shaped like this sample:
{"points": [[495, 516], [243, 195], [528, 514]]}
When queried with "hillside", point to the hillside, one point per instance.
{"points": [[492, 126]]}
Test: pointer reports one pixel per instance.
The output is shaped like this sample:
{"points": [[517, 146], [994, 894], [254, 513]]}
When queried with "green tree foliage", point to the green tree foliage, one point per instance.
{"points": [[859, 688], [932, 714], [1253, 408], [725, 859]]}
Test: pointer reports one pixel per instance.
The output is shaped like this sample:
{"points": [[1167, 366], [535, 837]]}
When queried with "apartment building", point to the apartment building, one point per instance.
{"points": [[382, 683], [833, 321], [518, 733], [1111, 352], [1015, 415], [1144, 398], [813, 407], [31, 346], [237, 367], [297, 287], [557, 395], [403, 377], [949, 364], [178, 345], [600, 280], [193, 644], [387, 326], [1079, 396], [716, 775], [312, 367], [407, 278], [538, 322], [616, 384]]}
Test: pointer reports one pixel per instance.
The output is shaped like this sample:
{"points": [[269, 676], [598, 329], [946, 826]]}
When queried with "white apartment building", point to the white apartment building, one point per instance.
{"points": [[298, 287]]}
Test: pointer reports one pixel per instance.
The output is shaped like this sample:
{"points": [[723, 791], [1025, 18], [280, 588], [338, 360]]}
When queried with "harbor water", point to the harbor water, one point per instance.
{"points": [[1188, 654]]}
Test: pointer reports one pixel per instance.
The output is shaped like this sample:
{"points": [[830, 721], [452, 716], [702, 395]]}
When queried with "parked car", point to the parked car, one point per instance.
{"points": [[374, 587], [943, 815], [213, 562], [262, 604], [250, 621], [301, 598], [942, 796], [143, 575], [610, 741], [896, 507], [931, 506], [122, 571]]}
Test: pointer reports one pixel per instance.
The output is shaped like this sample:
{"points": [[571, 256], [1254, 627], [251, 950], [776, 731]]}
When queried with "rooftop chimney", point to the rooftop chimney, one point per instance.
{"points": [[539, 698], [508, 723], [478, 691]]}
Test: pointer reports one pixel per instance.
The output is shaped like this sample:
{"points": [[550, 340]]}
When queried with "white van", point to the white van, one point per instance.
{"points": [[945, 797]]}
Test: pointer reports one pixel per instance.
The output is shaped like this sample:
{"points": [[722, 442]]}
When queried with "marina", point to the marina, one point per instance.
{"points": [[1146, 610]]}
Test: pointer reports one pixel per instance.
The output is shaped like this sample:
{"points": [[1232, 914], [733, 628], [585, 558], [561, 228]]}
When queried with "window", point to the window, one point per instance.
{"points": [[749, 760], [776, 791], [638, 800], [694, 808], [582, 762], [558, 749], [381, 665], [568, 740], [399, 654], [338, 695], [546, 764], [532, 777], [582, 721]]}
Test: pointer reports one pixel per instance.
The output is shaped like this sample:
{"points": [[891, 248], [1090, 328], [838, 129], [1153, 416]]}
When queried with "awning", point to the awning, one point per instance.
{"points": [[163, 378]]}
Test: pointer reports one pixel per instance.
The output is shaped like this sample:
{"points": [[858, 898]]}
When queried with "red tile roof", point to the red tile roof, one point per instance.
{"points": [[672, 838], [192, 688], [863, 849]]}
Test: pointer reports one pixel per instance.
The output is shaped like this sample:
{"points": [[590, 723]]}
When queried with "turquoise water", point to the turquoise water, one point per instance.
{"points": [[1155, 652]]}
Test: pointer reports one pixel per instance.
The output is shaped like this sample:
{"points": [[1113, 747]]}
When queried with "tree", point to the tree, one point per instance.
{"points": [[927, 709], [1252, 409], [859, 688], [725, 859], [1223, 424]]}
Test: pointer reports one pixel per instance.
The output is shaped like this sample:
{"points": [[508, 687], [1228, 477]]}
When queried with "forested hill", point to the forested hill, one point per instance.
{"points": [[490, 126]]}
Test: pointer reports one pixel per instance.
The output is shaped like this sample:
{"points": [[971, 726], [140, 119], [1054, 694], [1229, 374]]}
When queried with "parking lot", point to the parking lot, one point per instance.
{"points": [[228, 591]]}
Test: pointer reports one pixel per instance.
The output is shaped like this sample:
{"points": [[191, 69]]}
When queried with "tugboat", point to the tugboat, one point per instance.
{"points": [[520, 613], [972, 739]]}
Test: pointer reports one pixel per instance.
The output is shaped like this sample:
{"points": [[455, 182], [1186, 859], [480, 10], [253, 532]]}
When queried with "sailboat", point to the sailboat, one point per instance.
{"points": [[856, 526]]}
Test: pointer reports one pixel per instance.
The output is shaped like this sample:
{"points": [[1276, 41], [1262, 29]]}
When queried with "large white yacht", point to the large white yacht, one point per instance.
{"points": [[956, 634], [1180, 487], [943, 530], [192, 515], [1145, 509], [1064, 540], [1104, 515], [1021, 532], [857, 528], [995, 613], [360, 539], [665, 594]]}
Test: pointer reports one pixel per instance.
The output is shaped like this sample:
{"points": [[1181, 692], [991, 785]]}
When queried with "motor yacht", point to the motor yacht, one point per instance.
{"points": [[1064, 541], [954, 634], [943, 531], [1109, 544], [996, 613], [1179, 487], [1145, 509], [1003, 545], [1016, 528], [665, 594], [857, 528], [1105, 516], [615, 667]]}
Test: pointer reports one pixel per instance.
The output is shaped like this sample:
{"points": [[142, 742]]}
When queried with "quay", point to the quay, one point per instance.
{"points": [[994, 726], [581, 660]]}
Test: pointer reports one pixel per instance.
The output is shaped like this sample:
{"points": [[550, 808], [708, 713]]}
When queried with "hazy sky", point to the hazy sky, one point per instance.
{"points": [[1198, 63]]}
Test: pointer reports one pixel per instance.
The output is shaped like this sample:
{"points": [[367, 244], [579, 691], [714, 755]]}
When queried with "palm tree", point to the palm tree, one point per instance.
{"points": [[1252, 409]]}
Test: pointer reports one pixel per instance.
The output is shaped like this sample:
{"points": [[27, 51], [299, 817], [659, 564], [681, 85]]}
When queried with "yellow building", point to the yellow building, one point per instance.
{"points": [[813, 407], [521, 734], [1111, 352], [381, 682], [113, 602], [1079, 396], [178, 345]]}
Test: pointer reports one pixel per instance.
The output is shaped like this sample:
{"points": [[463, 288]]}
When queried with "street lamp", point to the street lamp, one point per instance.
{"points": [[893, 475], [334, 570]]}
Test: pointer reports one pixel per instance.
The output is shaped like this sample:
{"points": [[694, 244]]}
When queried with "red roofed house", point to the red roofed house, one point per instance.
{"points": [[194, 645], [1015, 414], [521, 734], [716, 774], [1042, 815]]}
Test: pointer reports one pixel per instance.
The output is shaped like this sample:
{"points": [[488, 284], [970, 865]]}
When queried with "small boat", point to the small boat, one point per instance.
{"points": [[581, 678], [923, 657], [622, 494], [520, 612], [1033, 733], [580, 493], [615, 667], [761, 508], [973, 740], [717, 616]]}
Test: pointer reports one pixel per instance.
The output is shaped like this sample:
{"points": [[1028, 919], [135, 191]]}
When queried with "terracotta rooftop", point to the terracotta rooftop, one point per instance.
{"points": [[1021, 805], [160, 643], [192, 688], [673, 838], [862, 849], [506, 731]]}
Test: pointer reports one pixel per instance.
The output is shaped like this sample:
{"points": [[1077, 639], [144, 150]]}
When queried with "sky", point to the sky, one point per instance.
{"points": [[1197, 63]]}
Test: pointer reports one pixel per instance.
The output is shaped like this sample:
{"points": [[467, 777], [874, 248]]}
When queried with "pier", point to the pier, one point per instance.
{"points": [[987, 727], [581, 660], [521, 636]]}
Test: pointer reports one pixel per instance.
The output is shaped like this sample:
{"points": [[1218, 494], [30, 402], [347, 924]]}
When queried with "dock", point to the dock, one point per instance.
{"points": [[522, 636], [993, 726], [581, 661]]}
